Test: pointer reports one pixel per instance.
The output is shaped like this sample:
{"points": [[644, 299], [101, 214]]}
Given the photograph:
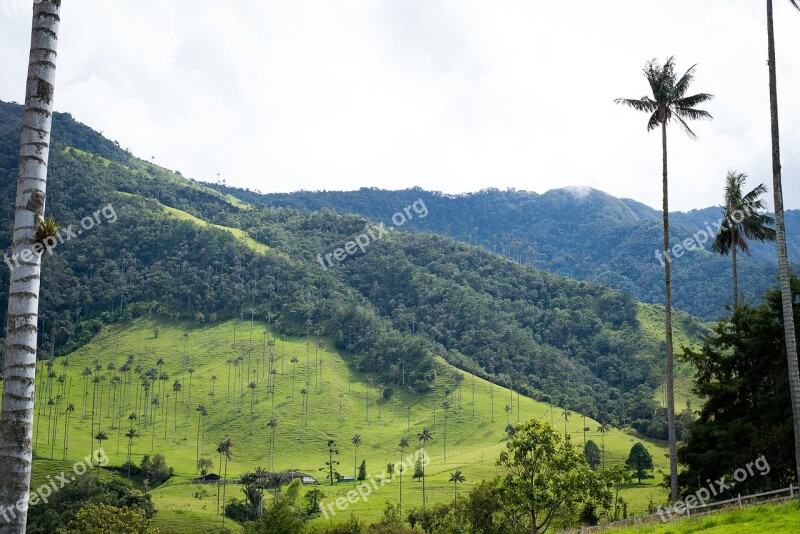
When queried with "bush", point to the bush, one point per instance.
{"points": [[156, 470]]}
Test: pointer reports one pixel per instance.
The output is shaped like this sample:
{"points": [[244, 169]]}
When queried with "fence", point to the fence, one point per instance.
{"points": [[696, 511]]}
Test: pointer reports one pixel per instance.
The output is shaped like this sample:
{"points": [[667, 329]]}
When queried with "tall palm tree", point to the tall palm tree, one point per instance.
{"points": [[603, 428], [272, 424], [16, 416], [669, 103], [294, 366], [780, 237], [70, 410], [131, 435], [743, 220], [566, 414], [357, 442], [403, 446], [425, 436], [176, 388], [445, 407], [226, 445], [201, 413], [456, 477]]}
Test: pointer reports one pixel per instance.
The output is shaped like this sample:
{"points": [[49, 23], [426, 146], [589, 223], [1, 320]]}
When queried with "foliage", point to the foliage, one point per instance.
{"points": [[280, 518], [362, 470], [156, 470], [615, 478], [546, 478], [587, 235], [204, 465], [639, 461], [312, 499], [64, 505], [592, 454], [741, 375], [102, 518]]}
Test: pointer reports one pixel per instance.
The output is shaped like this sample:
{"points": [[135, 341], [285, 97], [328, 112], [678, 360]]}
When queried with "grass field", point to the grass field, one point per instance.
{"points": [[473, 441], [781, 518]]}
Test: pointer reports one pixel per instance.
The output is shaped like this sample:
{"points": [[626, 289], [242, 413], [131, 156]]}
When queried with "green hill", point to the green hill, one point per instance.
{"points": [[578, 232], [473, 441]]}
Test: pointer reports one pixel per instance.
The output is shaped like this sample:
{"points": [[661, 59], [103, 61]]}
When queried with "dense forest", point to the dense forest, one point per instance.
{"points": [[577, 232], [409, 297]]}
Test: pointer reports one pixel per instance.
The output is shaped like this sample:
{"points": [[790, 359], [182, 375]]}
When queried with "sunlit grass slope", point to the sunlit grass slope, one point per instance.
{"points": [[474, 440]]}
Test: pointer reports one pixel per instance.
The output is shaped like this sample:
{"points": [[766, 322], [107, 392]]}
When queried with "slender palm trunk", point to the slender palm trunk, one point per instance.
{"points": [[780, 237], [735, 275], [16, 417], [673, 458], [400, 509]]}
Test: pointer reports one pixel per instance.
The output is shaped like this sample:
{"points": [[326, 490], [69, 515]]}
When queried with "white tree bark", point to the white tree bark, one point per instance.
{"points": [[16, 417]]}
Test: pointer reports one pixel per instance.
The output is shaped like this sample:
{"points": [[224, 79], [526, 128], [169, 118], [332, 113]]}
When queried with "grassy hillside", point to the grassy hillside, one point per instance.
{"points": [[473, 441], [773, 518], [688, 332]]}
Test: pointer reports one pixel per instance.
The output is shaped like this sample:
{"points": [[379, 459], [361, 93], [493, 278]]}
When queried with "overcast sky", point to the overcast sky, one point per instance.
{"points": [[454, 95]]}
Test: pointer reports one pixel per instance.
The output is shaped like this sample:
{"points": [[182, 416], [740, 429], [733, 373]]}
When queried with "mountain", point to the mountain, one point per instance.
{"points": [[178, 249], [578, 232]]}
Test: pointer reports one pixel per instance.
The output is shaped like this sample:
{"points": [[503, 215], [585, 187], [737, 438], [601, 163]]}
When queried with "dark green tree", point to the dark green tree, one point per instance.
{"points": [[592, 454], [640, 462]]}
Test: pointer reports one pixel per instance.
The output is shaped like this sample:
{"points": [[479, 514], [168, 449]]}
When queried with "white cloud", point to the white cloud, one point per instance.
{"points": [[448, 94]]}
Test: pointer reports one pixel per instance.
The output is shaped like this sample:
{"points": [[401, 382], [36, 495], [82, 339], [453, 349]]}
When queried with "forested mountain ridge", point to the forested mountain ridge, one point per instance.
{"points": [[409, 297], [578, 232]]}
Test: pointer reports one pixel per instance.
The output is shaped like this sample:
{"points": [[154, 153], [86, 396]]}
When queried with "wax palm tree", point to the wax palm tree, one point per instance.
{"points": [[201, 413], [294, 361], [603, 428], [272, 424], [780, 237], [403, 446], [304, 412], [508, 412], [131, 435], [70, 410], [176, 388], [357, 442], [445, 407], [30, 229], [425, 436], [743, 220], [456, 478], [566, 414], [101, 437], [669, 103], [226, 446]]}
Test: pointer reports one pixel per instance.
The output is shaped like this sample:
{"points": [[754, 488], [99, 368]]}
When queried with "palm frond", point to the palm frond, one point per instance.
{"points": [[641, 104], [693, 114], [655, 121], [682, 85], [685, 127], [693, 101], [753, 198]]}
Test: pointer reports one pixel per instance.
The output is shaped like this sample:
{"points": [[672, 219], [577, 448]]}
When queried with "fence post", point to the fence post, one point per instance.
{"points": [[740, 500], [791, 491]]}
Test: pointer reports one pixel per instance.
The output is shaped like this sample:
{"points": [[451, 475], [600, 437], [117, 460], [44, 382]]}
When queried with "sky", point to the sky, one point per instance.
{"points": [[449, 95]]}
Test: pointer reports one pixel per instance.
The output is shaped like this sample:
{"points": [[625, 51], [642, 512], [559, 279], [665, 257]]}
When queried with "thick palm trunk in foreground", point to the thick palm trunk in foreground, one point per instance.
{"points": [[16, 418], [780, 237]]}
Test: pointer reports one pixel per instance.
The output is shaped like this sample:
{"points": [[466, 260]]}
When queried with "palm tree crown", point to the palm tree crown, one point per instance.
{"points": [[744, 219], [669, 101]]}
